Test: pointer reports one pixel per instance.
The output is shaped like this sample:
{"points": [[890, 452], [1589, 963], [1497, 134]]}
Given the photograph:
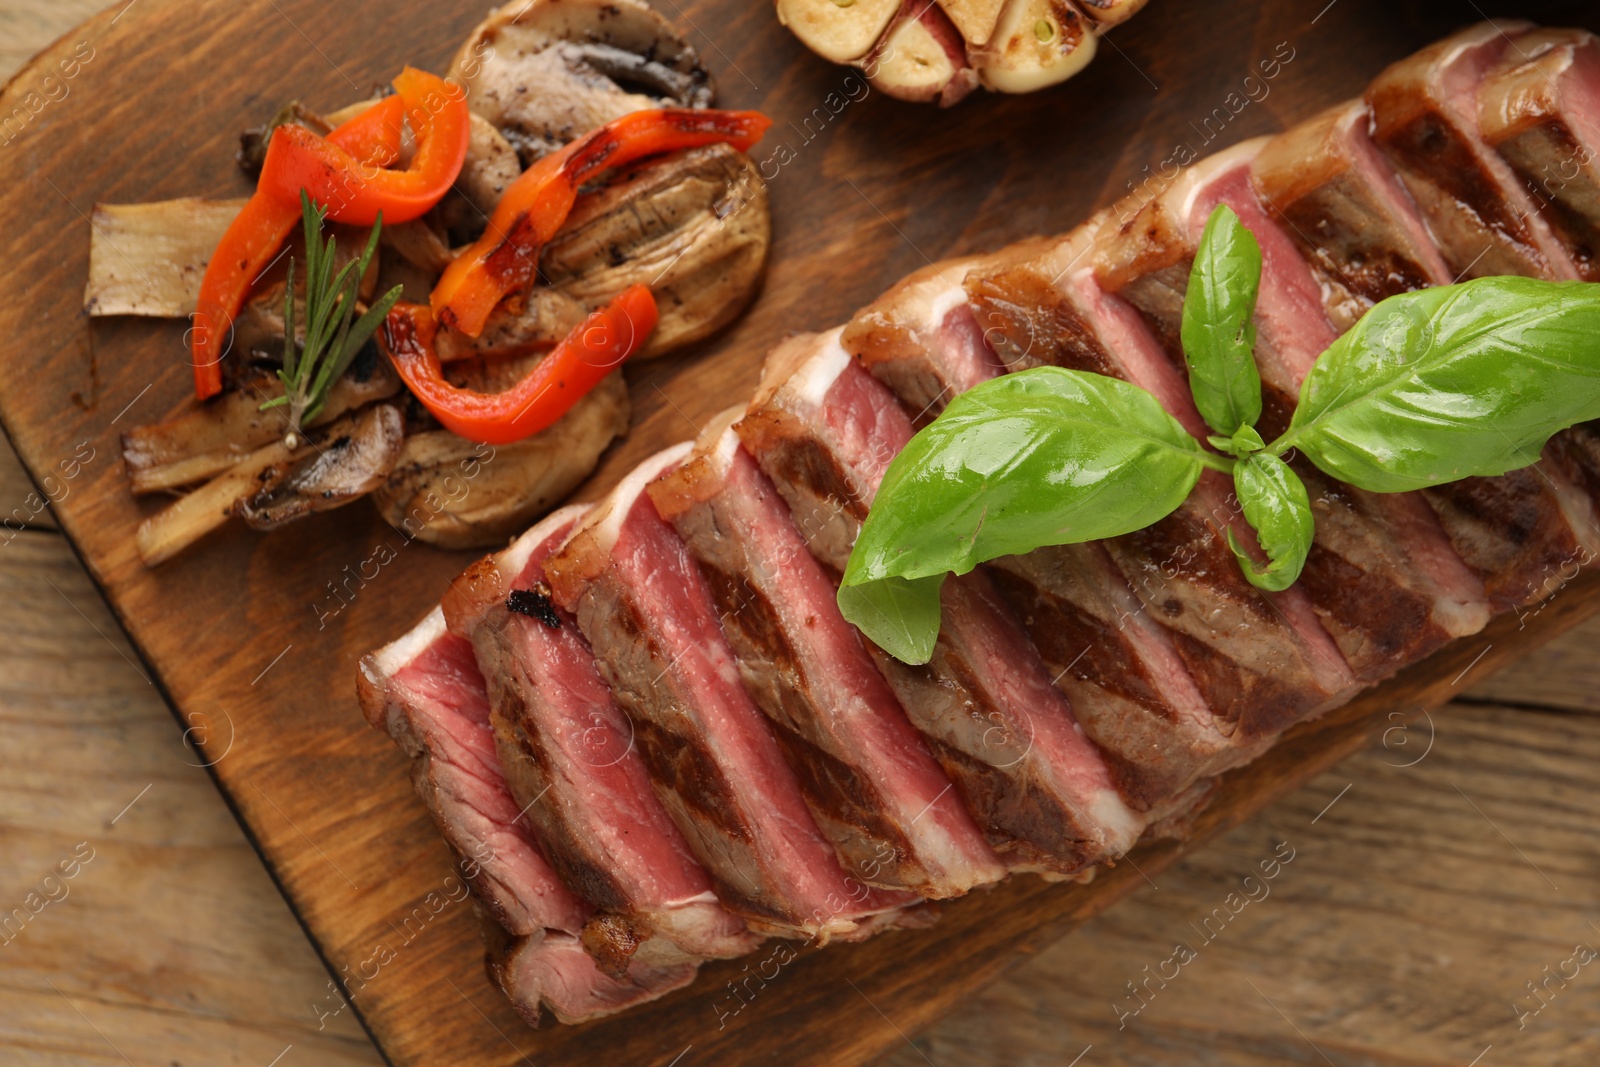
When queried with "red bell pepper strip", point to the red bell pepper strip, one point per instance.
{"points": [[354, 191], [595, 348], [254, 237], [505, 259]]}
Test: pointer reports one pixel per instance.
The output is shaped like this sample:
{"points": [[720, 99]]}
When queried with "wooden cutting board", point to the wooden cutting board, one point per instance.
{"points": [[256, 651]]}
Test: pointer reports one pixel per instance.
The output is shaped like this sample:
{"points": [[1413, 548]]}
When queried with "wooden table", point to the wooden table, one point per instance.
{"points": [[1433, 878]]}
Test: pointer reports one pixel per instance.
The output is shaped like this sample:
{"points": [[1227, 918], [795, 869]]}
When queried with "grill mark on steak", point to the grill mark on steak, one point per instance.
{"points": [[984, 691], [1511, 529], [879, 796], [564, 844], [711, 753], [1425, 111]]}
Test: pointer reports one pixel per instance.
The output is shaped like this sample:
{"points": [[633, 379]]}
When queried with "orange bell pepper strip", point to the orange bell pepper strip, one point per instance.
{"points": [[595, 348], [506, 258], [258, 232], [355, 192]]}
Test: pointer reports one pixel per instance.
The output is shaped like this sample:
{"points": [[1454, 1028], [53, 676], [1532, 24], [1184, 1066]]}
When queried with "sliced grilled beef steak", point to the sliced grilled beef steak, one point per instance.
{"points": [[1121, 670], [425, 690], [1347, 212], [569, 757], [1425, 112], [1385, 581], [824, 430], [872, 784], [921, 340], [648, 614], [554, 971], [1512, 532], [1540, 109]]}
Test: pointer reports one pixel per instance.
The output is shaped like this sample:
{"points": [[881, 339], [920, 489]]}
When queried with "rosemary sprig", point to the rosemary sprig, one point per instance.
{"points": [[332, 340]]}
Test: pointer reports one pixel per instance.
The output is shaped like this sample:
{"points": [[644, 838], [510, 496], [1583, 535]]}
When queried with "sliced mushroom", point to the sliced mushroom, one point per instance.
{"points": [[253, 142], [695, 226], [450, 492], [419, 244], [217, 435], [922, 58], [840, 30], [545, 71], [189, 518], [491, 165], [350, 460], [148, 259], [1037, 43], [521, 324]]}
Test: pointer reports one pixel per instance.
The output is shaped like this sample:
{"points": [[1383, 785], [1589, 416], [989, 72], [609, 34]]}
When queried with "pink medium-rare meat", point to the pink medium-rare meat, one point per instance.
{"points": [[824, 431], [1512, 532], [570, 760], [1425, 112], [921, 340], [1120, 669], [425, 689], [1384, 579], [1260, 663], [1347, 212], [647, 613], [1540, 110], [872, 783]]}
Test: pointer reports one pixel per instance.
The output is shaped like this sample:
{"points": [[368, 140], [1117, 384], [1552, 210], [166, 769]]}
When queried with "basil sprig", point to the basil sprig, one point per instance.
{"points": [[1429, 387]]}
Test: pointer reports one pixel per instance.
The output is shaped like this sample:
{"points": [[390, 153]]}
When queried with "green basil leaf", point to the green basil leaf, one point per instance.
{"points": [[1219, 331], [1042, 457], [1276, 506], [1453, 382], [901, 615]]}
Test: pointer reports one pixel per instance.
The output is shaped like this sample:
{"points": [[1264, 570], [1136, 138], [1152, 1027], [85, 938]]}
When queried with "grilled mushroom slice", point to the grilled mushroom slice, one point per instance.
{"points": [[352, 459], [695, 226], [368, 441], [545, 71], [450, 492], [521, 324], [207, 440]]}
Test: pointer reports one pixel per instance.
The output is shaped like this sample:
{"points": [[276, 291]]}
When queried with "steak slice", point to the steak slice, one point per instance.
{"points": [[425, 690], [1346, 212], [824, 430], [1120, 669], [555, 971], [1540, 110], [1513, 532], [570, 760], [872, 784], [1383, 577], [648, 614], [921, 340], [1425, 112]]}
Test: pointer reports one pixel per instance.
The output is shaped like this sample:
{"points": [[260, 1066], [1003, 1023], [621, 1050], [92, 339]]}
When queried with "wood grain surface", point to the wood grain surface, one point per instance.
{"points": [[325, 800]]}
